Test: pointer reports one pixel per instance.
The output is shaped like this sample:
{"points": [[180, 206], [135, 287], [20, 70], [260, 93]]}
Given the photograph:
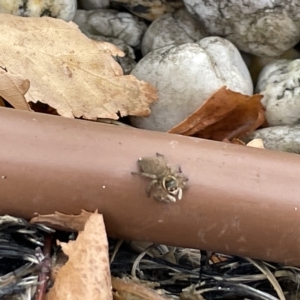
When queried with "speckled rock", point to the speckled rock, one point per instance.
{"points": [[279, 83], [255, 63], [111, 23], [186, 75], [172, 29], [281, 138], [148, 9], [61, 9], [93, 4], [260, 27]]}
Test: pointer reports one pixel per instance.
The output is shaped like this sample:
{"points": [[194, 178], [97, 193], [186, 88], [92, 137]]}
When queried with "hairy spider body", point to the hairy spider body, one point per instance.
{"points": [[166, 183]]}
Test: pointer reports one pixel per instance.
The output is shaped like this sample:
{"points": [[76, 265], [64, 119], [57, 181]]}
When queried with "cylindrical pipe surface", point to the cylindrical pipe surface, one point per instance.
{"points": [[240, 200]]}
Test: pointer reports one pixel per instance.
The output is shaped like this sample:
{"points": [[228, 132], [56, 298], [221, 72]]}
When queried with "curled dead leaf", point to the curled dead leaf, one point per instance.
{"points": [[62, 221], [13, 88], [86, 274], [225, 115], [68, 71]]}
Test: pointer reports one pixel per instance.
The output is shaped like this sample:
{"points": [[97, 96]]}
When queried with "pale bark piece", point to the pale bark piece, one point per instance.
{"points": [[70, 72], [86, 275], [13, 88], [190, 293], [256, 143], [62, 221], [125, 289]]}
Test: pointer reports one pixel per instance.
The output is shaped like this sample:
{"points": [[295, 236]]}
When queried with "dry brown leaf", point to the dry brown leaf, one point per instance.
{"points": [[86, 274], [13, 88], [63, 222], [190, 293], [225, 115], [125, 289], [2, 102], [68, 71]]}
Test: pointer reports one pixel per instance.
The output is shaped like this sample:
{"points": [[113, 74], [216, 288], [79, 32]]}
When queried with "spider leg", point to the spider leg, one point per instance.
{"points": [[175, 192], [171, 198], [145, 175], [135, 173], [179, 193], [161, 157], [163, 197], [150, 186], [177, 169], [152, 176]]}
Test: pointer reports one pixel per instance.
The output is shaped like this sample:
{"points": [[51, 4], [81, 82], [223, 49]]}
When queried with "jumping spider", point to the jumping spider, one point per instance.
{"points": [[167, 182]]}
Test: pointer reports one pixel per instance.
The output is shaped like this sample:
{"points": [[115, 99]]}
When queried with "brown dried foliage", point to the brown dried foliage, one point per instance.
{"points": [[63, 222], [73, 74], [225, 115], [125, 289], [86, 274], [12, 89]]}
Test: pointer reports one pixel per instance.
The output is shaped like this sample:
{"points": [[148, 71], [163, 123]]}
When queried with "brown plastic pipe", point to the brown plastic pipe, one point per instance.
{"points": [[240, 201]]}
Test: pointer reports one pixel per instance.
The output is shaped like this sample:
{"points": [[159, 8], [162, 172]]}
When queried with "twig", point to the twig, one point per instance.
{"points": [[45, 270]]}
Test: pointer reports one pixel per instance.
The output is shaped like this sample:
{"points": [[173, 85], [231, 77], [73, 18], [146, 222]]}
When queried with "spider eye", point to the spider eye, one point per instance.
{"points": [[170, 184], [172, 188]]}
